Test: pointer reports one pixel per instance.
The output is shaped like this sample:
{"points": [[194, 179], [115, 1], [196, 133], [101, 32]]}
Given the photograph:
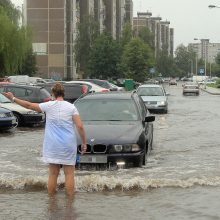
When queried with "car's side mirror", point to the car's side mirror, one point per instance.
{"points": [[167, 94], [149, 118]]}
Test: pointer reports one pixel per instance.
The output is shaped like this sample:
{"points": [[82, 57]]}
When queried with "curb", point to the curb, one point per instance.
{"points": [[213, 93]]}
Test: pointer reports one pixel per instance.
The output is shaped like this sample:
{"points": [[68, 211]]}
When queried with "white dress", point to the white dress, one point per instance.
{"points": [[60, 143]]}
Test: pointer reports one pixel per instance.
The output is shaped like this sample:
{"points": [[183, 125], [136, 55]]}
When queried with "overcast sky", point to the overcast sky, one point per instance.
{"points": [[189, 18]]}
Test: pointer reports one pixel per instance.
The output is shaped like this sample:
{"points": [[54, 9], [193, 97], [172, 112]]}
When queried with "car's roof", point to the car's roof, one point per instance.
{"points": [[21, 85], [109, 95], [150, 85]]}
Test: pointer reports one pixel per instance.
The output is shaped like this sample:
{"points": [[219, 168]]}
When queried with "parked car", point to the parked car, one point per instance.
{"points": [[191, 88], [7, 119], [104, 83], [36, 94], [119, 129], [92, 87], [22, 115], [154, 97], [72, 90], [173, 82]]}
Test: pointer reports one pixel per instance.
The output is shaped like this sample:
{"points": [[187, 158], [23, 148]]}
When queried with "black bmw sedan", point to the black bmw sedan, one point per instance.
{"points": [[119, 129]]}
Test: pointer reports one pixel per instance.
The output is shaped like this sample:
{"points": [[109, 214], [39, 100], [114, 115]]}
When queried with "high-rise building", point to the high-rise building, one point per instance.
{"points": [[206, 50], [120, 17], [110, 21], [100, 14], [52, 22], [129, 12], [163, 35]]}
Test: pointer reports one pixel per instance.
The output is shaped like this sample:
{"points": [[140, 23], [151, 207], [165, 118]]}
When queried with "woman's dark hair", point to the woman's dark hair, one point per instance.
{"points": [[58, 90]]}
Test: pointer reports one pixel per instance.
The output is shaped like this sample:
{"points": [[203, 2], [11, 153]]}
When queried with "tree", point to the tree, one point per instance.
{"points": [[13, 14], [147, 36], [126, 35], [87, 32], [137, 58], [29, 64], [15, 41], [165, 64], [183, 58], [104, 57]]}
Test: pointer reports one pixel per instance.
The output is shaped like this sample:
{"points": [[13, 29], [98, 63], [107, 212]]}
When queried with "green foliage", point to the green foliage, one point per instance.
{"points": [[184, 57], [147, 36], [137, 58], [13, 14], [29, 65], [126, 35], [166, 65], [104, 57], [15, 41], [87, 32]]}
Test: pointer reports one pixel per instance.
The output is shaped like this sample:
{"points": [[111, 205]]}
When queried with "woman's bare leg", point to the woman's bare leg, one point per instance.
{"points": [[54, 170], [69, 179]]}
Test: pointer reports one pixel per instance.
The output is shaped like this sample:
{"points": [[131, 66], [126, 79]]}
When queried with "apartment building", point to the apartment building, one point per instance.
{"points": [[129, 12], [100, 14], [52, 22], [110, 21], [206, 50], [54, 25], [163, 34]]}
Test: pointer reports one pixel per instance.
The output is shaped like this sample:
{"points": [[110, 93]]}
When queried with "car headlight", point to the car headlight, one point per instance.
{"points": [[31, 113], [118, 148], [125, 148], [3, 115], [161, 103]]}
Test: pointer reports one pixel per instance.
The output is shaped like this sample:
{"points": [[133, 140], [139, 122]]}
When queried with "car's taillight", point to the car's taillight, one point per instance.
{"points": [[105, 90], [47, 99], [84, 89]]}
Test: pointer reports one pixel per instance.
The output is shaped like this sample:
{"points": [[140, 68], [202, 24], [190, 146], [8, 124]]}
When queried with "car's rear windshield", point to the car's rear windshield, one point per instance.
{"points": [[150, 91], [107, 110]]}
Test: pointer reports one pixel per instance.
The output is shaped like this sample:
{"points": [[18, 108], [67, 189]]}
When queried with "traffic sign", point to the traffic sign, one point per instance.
{"points": [[201, 71], [152, 70]]}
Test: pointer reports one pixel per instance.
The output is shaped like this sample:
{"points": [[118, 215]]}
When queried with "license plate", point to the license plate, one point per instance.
{"points": [[93, 159]]}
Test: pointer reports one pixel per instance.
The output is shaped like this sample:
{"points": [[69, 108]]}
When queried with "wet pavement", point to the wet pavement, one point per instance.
{"points": [[181, 179]]}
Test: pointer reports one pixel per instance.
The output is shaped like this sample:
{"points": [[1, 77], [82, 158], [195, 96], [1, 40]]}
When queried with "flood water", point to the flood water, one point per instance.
{"points": [[181, 179]]}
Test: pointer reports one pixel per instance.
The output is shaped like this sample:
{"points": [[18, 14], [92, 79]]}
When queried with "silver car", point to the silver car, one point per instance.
{"points": [[154, 97], [192, 89]]}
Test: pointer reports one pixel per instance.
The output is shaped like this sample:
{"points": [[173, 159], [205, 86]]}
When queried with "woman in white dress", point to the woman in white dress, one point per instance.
{"points": [[60, 143]]}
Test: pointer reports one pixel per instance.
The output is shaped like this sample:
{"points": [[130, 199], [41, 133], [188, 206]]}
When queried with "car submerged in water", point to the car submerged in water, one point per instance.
{"points": [[119, 129]]}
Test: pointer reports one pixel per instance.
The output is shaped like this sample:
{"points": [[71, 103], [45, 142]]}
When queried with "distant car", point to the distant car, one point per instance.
{"points": [[154, 97], [7, 119], [173, 82], [116, 88], [92, 87], [22, 115], [36, 94], [119, 129], [191, 88]]}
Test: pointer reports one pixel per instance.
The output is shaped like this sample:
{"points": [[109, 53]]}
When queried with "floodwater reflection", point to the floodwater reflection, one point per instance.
{"points": [[60, 208]]}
